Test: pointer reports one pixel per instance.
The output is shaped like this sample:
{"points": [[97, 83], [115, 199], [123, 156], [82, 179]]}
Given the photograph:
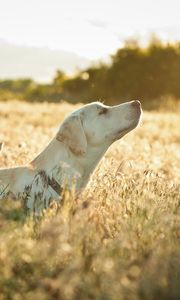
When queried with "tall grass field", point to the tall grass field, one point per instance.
{"points": [[119, 240]]}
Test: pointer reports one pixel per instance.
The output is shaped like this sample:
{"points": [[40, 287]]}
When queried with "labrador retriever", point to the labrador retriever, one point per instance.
{"points": [[71, 156]]}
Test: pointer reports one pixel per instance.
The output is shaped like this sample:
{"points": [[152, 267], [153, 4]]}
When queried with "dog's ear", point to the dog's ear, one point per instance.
{"points": [[71, 133]]}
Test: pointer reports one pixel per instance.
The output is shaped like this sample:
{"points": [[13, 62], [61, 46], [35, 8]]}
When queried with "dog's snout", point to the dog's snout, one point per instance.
{"points": [[136, 103]]}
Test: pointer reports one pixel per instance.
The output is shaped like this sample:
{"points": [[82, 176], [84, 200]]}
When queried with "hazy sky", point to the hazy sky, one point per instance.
{"points": [[92, 28]]}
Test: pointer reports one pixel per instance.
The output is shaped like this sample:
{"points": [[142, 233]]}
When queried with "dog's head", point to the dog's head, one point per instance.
{"points": [[96, 124]]}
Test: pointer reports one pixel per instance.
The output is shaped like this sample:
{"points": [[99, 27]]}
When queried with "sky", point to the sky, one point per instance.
{"points": [[92, 29]]}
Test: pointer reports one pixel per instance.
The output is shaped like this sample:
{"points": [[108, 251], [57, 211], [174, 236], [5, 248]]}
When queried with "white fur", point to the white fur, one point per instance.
{"points": [[72, 155]]}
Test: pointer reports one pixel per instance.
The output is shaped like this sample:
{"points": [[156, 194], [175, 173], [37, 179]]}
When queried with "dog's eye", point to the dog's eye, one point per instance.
{"points": [[103, 111]]}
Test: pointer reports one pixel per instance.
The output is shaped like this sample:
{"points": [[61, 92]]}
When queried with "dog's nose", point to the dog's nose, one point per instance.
{"points": [[136, 103]]}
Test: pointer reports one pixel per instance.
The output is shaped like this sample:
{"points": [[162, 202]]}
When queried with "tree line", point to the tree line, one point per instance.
{"points": [[133, 73]]}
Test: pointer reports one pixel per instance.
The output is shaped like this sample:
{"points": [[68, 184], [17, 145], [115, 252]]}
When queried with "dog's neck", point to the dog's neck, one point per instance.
{"points": [[89, 162], [47, 158], [55, 155]]}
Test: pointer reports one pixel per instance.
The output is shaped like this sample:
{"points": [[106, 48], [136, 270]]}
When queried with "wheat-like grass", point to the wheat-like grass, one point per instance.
{"points": [[118, 240]]}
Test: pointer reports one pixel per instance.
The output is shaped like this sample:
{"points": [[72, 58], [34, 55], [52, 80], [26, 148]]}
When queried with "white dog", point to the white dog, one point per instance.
{"points": [[71, 156]]}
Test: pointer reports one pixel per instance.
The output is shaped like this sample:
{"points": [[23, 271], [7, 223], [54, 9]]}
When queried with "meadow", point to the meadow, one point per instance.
{"points": [[119, 240]]}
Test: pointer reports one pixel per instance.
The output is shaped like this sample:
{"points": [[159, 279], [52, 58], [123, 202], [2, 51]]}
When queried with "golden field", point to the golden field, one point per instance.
{"points": [[119, 240]]}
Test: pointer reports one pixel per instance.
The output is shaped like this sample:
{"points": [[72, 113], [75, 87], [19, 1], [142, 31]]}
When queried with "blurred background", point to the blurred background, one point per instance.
{"points": [[80, 51]]}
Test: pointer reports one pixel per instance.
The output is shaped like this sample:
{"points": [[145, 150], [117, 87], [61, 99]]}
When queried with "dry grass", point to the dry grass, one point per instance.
{"points": [[120, 240]]}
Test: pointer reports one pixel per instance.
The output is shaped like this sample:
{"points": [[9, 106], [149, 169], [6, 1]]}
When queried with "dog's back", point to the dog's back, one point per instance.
{"points": [[15, 179]]}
